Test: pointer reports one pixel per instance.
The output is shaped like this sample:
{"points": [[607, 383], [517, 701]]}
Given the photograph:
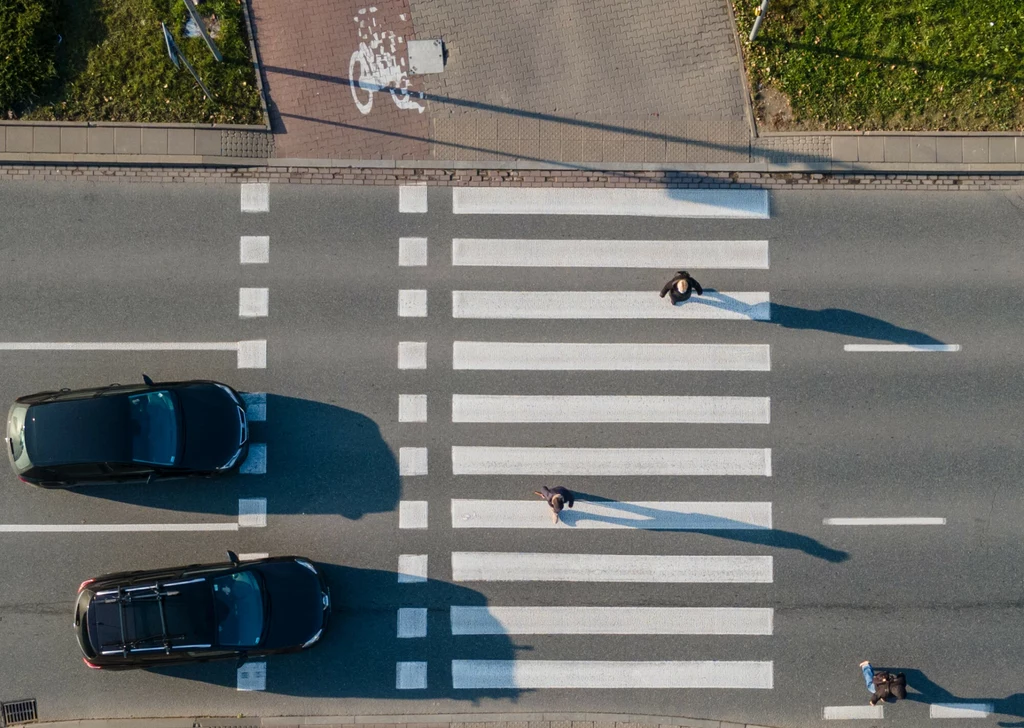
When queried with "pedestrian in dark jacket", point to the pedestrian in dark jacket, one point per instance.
{"points": [[557, 497], [681, 287], [883, 685]]}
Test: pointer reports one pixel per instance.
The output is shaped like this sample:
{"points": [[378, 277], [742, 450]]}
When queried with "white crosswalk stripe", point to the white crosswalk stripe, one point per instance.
{"points": [[667, 254], [471, 460], [543, 356], [525, 674], [719, 203], [627, 568], [639, 515], [750, 306], [610, 408], [611, 620]]}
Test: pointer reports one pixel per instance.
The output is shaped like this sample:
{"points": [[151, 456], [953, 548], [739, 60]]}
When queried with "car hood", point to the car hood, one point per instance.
{"points": [[212, 426], [296, 604]]}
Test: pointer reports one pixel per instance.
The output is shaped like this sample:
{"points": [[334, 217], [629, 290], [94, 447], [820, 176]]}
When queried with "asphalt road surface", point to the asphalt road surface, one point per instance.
{"points": [[417, 390]]}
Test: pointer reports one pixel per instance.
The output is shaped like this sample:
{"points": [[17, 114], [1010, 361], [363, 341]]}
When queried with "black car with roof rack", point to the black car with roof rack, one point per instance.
{"points": [[125, 433], [233, 610]]}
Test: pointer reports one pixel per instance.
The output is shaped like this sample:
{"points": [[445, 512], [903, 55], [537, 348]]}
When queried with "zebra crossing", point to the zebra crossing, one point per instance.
{"points": [[616, 468]]}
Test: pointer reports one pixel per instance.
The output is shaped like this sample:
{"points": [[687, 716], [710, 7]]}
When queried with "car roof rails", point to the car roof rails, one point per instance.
{"points": [[127, 596]]}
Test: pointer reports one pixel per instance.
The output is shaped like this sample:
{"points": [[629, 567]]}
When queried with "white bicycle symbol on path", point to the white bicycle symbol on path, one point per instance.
{"points": [[373, 68]]}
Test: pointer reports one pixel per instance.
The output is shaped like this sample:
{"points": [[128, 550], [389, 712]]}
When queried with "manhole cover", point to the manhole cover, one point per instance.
{"points": [[19, 711]]}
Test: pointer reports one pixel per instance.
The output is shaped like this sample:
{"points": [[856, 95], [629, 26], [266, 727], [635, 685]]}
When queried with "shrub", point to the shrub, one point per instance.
{"points": [[28, 46]]}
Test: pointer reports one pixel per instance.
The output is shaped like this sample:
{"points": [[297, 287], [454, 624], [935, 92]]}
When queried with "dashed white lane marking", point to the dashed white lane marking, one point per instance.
{"points": [[853, 712], [412, 623], [412, 408], [412, 303], [667, 254], [637, 515], [746, 306], [251, 354], [913, 521], [610, 408], [960, 710], [253, 302], [256, 462], [252, 676], [412, 461], [256, 197], [534, 674], [254, 249], [538, 356], [252, 512], [611, 620], [412, 568], [744, 204], [412, 198], [628, 568], [114, 527], [901, 347], [468, 460], [412, 355], [412, 251], [256, 556], [255, 406], [410, 675], [413, 514]]}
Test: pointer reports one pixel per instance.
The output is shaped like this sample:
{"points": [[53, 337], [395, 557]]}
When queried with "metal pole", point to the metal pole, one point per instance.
{"points": [[760, 12], [202, 29]]}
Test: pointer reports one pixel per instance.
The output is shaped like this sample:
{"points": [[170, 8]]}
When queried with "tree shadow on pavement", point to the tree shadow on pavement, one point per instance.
{"points": [[357, 656], [716, 526], [839, 321], [320, 459], [921, 689]]}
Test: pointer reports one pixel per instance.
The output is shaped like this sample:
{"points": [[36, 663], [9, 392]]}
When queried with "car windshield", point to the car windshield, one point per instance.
{"points": [[238, 602], [154, 428]]}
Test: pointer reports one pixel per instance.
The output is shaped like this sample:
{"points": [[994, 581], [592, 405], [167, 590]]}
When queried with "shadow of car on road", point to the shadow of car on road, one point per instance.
{"points": [[357, 656], [320, 459]]}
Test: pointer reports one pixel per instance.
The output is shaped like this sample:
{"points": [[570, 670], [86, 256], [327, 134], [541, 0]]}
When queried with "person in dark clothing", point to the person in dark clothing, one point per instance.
{"points": [[681, 287], [558, 498], [883, 685]]}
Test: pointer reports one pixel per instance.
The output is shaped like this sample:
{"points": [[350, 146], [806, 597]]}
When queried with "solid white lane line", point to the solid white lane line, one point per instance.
{"points": [[412, 198], [252, 676], [412, 568], [412, 408], [256, 197], [638, 515], [746, 306], [913, 521], [412, 303], [253, 302], [119, 345], [852, 712], [960, 710], [412, 251], [413, 514], [506, 566], [254, 249], [610, 461], [114, 527], [256, 462], [412, 461], [412, 355], [743, 204], [412, 623], [901, 347], [611, 620], [410, 675], [523, 356], [255, 406], [667, 254], [252, 512], [527, 674], [610, 408]]}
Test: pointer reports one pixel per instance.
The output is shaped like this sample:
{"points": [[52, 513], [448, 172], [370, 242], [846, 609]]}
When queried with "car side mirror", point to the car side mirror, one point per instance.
{"points": [[147, 380], [233, 558]]}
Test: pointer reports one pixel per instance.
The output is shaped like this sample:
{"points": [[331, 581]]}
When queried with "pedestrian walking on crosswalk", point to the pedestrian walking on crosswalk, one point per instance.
{"points": [[681, 287], [883, 685], [558, 498]]}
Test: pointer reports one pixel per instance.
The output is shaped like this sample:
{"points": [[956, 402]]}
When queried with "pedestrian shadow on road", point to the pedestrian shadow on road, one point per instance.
{"points": [[358, 654], [320, 459], [832, 320], [708, 525], [921, 689]]}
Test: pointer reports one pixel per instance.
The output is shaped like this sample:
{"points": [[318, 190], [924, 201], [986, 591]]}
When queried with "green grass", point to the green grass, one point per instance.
{"points": [[951, 65], [113, 65]]}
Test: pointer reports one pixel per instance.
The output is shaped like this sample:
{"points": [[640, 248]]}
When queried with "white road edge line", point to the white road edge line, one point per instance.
{"points": [[900, 347], [251, 354], [911, 521], [113, 527]]}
